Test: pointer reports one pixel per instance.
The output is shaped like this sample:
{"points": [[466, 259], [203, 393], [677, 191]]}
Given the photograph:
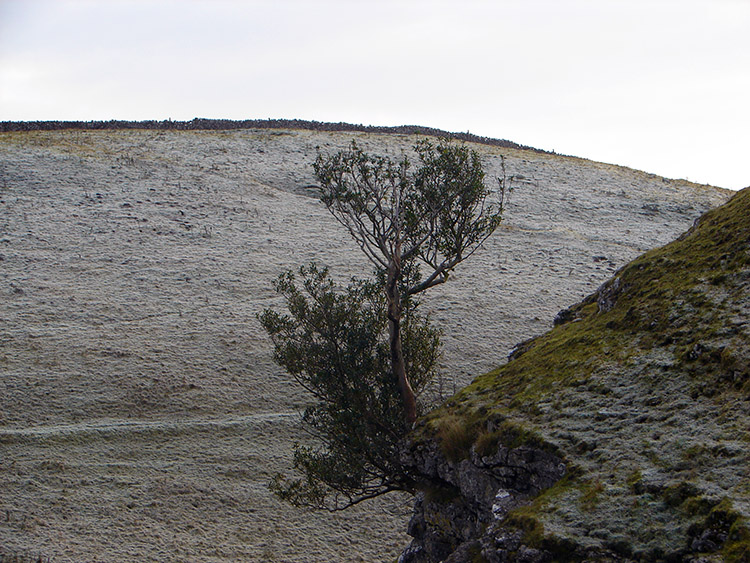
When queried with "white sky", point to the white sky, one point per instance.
{"points": [[658, 85]]}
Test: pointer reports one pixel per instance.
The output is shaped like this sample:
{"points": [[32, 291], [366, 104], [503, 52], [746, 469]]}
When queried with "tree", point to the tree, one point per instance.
{"points": [[334, 343], [365, 352], [435, 217]]}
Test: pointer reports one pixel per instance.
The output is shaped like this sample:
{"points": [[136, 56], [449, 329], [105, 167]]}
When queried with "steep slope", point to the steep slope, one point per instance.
{"points": [[141, 414], [623, 433]]}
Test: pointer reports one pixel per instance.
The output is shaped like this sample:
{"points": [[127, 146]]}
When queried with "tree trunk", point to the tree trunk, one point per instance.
{"points": [[394, 332]]}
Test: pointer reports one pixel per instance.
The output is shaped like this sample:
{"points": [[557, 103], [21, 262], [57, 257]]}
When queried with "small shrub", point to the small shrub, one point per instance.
{"points": [[456, 435]]}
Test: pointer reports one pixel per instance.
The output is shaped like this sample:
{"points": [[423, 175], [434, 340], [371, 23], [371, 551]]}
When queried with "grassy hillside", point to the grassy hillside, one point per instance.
{"points": [[141, 414], [644, 389]]}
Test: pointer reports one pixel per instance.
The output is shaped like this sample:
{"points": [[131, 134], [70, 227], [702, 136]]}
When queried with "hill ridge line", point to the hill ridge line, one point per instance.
{"points": [[203, 124]]}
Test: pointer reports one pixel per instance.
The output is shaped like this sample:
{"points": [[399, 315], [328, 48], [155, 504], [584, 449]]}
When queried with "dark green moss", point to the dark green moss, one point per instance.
{"points": [[475, 553], [698, 506], [737, 548], [675, 495], [635, 482], [724, 520], [487, 443], [527, 518], [511, 435], [722, 516], [561, 549], [524, 520], [620, 546]]}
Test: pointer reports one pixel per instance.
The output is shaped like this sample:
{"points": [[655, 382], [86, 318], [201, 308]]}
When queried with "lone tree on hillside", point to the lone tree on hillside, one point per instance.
{"points": [[365, 352], [435, 218]]}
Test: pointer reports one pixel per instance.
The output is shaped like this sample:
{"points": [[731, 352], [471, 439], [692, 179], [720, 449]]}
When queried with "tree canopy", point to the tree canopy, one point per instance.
{"points": [[415, 226], [365, 352], [435, 216]]}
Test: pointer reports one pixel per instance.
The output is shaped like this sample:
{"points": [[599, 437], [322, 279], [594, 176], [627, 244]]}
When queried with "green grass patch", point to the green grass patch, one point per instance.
{"points": [[511, 435], [456, 435], [659, 299], [591, 495], [458, 432]]}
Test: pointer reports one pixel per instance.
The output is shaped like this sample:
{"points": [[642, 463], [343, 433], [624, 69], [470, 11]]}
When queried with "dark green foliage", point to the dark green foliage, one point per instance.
{"points": [[404, 220], [334, 343], [677, 494], [364, 352], [434, 216]]}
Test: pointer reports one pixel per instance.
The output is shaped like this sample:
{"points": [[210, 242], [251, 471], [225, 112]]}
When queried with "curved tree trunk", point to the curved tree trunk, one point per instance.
{"points": [[394, 333]]}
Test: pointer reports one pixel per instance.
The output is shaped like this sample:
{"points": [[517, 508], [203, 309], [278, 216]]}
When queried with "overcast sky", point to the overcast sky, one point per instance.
{"points": [[658, 85]]}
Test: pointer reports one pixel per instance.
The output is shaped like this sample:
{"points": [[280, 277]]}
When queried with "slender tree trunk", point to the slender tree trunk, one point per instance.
{"points": [[394, 332]]}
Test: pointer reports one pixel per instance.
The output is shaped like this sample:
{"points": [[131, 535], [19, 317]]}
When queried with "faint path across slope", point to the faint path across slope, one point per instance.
{"points": [[139, 426]]}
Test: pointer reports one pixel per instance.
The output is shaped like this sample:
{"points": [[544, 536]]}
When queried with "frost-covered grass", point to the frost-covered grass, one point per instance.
{"points": [[645, 388], [132, 265]]}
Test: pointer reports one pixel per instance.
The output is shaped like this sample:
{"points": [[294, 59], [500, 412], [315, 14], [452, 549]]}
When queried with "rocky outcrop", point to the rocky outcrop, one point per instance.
{"points": [[620, 435], [466, 497]]}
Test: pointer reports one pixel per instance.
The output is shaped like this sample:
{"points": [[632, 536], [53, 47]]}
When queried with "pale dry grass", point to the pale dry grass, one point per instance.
{"points": [[141, 416]]}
